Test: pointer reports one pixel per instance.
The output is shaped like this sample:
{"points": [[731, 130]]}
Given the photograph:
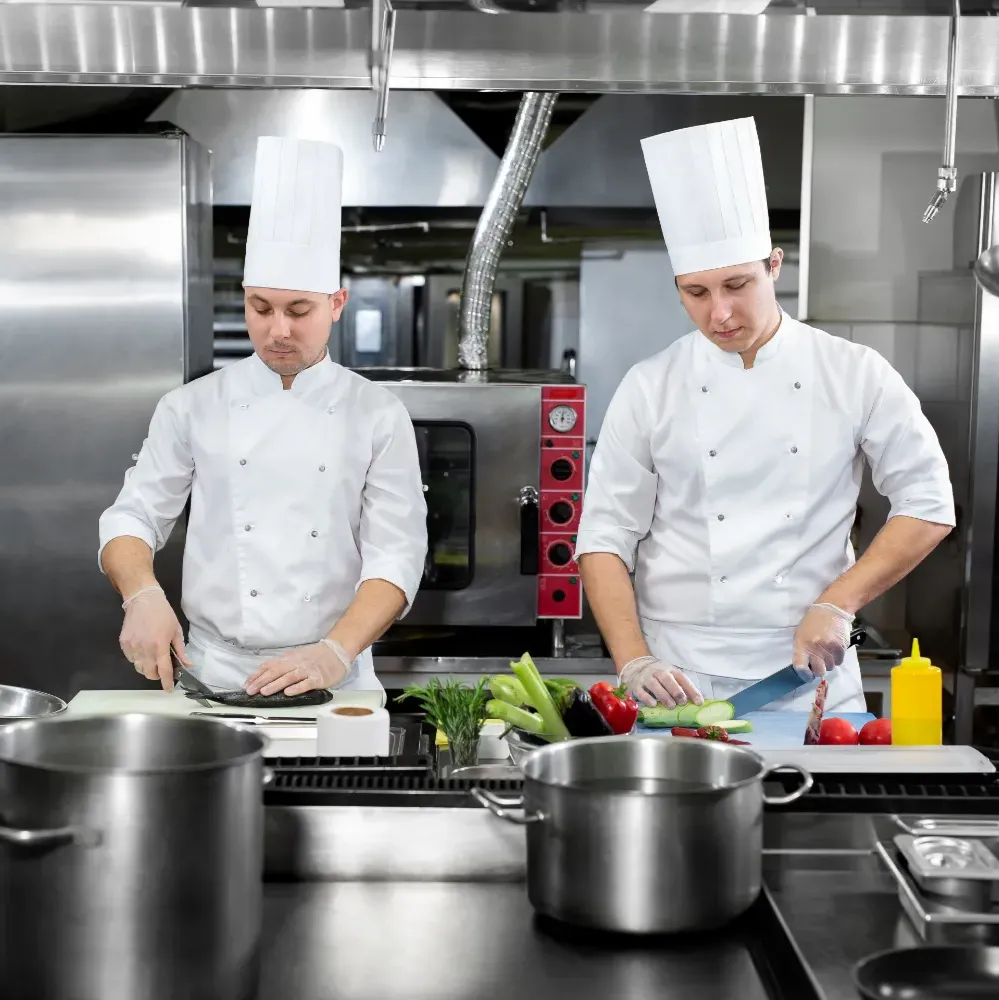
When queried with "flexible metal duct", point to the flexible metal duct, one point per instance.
{"points": [[493, 230]]}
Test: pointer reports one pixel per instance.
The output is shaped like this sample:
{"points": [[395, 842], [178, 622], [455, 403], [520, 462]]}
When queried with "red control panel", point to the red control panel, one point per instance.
{"points": [[563, 430]]}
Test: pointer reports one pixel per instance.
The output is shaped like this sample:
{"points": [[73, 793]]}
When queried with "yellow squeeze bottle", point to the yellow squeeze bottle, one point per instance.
{"points": [[916, 701]]}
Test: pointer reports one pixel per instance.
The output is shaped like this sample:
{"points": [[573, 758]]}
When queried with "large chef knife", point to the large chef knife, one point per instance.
{"points": [[183, 677], [757, 695]]}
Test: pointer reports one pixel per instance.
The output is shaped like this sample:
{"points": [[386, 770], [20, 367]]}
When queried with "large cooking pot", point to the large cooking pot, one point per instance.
{"points": [[642, 834], [131, 859]]}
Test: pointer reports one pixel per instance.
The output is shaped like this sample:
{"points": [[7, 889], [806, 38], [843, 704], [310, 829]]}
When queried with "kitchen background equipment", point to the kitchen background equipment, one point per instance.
{"points": [[589, 802], [18, 704], [930, 974], [131, 855]]}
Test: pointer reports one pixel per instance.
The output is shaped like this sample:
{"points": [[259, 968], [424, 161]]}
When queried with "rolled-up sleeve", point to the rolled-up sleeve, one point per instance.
{"points": [[156, 488], [393, 528], [907, 463], [620, 497]]}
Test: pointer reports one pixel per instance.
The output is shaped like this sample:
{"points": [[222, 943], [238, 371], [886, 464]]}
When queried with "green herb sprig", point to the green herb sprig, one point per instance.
{"points": [[455, 709]]}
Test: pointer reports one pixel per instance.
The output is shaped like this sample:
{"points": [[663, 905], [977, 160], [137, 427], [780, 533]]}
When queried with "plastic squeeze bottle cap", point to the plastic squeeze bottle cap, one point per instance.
{"points": [[915, 661]]}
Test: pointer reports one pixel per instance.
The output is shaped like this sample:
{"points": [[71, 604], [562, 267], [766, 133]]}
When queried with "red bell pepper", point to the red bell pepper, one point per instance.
{"points": [[615, 706]]}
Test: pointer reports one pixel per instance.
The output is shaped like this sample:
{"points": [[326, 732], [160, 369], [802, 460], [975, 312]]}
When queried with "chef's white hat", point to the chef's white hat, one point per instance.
{"points": [[294, 236], [709, 190]]}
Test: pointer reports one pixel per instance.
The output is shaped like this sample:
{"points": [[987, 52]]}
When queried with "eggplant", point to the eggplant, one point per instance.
{"points": [[580, 715]]}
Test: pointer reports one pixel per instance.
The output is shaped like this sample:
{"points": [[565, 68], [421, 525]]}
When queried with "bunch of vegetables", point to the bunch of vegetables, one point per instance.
{"points": [[558, 708]]}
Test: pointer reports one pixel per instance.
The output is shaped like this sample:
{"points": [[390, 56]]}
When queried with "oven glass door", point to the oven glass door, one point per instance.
{"points": [[447, 463]]}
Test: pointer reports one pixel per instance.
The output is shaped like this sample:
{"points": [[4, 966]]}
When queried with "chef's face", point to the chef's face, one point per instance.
{"points": [[289, 330], [734, 307]]}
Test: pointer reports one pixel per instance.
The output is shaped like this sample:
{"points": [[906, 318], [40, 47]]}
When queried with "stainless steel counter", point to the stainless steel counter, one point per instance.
{"points": [[415, 940]]}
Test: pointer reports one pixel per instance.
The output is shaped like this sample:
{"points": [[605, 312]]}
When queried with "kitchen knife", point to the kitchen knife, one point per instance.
{"points": [[189, 682], [261, 720], [763, 692]]}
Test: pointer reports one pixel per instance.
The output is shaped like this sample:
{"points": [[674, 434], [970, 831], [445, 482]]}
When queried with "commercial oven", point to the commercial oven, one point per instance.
{"points": [[502, 460]]}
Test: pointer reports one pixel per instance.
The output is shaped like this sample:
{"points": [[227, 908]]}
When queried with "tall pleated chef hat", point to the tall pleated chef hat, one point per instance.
{"points": [[293, 241], [708, 185]]}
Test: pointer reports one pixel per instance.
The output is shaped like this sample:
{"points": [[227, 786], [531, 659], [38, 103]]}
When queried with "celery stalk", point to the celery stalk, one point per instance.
{"points": [[508, 689], [539, 698], [514, 716]]}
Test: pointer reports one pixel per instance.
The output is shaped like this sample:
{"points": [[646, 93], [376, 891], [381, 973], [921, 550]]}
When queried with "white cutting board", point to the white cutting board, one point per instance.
{"points": [[880, 760], [282, 741]]}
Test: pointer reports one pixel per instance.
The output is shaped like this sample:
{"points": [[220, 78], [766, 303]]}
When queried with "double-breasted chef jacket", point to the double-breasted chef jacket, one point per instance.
{"points": [[297, 497], [730, 493]]}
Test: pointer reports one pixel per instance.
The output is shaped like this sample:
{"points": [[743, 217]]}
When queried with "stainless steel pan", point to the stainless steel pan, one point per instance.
{"points": [[18, 704]]}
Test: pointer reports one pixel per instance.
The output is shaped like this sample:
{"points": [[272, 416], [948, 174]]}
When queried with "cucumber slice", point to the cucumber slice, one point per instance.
{"points": [[711, 713], [659, 717], [735, 726], [686, 715]]}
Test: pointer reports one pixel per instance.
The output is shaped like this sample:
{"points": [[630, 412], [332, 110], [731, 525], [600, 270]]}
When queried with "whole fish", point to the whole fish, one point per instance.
{"points": [[240, 699]]}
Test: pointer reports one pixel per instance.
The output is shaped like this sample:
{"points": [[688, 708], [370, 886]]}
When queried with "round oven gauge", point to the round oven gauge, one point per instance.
{"points": [[562, 419]]}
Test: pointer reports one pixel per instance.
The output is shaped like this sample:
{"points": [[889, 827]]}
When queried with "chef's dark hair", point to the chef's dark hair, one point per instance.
{"points": [[766, 263]]}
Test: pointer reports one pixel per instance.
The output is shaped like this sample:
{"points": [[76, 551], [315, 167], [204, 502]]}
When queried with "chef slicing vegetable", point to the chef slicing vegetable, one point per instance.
{"points": [[307, 530], [728, 466]]}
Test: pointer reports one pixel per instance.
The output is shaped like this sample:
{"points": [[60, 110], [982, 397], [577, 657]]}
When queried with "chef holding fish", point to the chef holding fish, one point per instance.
{"points": [[307, 529], [727, 471]]}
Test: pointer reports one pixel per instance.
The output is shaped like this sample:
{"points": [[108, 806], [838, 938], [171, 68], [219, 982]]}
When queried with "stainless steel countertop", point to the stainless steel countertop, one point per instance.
{"points": [[423, 940]]}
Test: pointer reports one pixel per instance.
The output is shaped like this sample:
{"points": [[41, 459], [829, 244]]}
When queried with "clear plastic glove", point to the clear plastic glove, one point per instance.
{"points": [[822, 639], [650, 681], [324, 664], [149, 630]]}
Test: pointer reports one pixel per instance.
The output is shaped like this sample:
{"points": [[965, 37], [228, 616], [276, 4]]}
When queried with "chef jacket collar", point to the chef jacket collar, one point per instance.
{"points": [[766, 353], [322, 373]]}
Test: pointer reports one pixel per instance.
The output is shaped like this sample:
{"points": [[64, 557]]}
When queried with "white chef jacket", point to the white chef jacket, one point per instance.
{"points": [[730, 493], [297, 497]]}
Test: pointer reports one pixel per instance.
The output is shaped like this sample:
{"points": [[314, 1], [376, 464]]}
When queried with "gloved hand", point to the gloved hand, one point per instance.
{"points": [[822, 639], [149, 630], [324, 664], [650, 681]]}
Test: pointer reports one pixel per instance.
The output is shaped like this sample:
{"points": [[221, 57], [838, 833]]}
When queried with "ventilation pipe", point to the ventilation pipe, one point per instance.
{"points": [[493, 230]]}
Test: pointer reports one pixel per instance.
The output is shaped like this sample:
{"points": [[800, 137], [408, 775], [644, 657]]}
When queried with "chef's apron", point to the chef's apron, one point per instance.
{"points": [[744, 437], [225, 666]]}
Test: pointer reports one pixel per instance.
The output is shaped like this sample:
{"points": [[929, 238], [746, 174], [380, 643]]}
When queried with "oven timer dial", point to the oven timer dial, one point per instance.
{"points": [[562, 419]]}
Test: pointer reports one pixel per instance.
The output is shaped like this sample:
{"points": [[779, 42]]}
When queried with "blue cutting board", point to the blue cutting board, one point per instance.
{"points": [[777, 730]]}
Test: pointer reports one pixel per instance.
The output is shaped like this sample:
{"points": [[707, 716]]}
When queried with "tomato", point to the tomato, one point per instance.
{"points": [[876, 733], [837, 732]]}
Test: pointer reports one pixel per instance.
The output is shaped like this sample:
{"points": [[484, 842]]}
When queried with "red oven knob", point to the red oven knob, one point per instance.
{"points": [[561, 512], [562, 469], [560, 554]]}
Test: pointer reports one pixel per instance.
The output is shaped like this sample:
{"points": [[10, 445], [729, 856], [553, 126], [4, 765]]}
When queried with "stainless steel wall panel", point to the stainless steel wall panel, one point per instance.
{"points": [[96, 321], [441, 50]]}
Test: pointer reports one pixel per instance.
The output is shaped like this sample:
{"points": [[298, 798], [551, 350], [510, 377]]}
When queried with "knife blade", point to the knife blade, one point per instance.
{"points": [[187, 680], [261, 720], [784, 681]]}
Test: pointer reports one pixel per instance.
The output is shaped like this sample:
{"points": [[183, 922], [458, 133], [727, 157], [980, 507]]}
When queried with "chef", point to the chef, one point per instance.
{"points": [[307, 529], [727, 471]]}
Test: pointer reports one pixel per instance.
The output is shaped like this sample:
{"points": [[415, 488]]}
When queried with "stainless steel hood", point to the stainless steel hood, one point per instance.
{"points": [[437, 160], [778, 53]]}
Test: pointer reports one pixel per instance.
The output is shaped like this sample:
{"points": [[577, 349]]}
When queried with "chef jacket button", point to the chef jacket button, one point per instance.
{"points": [[246, 527], [797, 385], [253, 593], [307, 598], [322, 468], [723, 579], [712, 453], [135, 458], [794, 449], [330, 409], [778, 579], [242, 461], [788, 517], [721, 517], [315, 534], [704, 388], [244, 406]]}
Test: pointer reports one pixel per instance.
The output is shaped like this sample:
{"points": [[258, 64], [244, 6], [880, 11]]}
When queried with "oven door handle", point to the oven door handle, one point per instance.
{"points": [[530, 530]]}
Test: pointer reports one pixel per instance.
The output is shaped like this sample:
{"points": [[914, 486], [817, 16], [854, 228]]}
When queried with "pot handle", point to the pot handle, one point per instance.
{"points": [[39, 841], [782, 800], [503, 807]]}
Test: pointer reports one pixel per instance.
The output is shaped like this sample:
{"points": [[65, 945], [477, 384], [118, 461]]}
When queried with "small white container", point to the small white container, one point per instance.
{"points": [[352, 731]]}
